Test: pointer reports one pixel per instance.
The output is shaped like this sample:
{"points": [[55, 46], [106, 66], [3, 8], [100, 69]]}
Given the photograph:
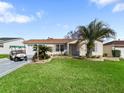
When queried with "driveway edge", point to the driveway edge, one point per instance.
{"points": [[13, 69]]}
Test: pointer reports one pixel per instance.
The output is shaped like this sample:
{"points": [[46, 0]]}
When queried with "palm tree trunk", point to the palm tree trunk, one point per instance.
{"points": [[90, 46], [89, 52]]}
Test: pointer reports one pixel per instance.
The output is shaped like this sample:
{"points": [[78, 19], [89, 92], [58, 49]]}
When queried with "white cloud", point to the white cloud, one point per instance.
{"points": [[118, 8], [65, 26], [22, 19], [5, 6], [58, 25], [8, 15], [39, 14], [104, 2]]}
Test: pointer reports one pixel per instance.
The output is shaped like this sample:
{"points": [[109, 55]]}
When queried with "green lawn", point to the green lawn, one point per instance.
{"points": [[4, 56], [66, 75]]}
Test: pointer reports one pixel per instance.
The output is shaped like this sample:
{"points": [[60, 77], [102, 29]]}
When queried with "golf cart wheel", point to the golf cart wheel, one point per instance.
{"points": [[26, 59], [15, 59], [10, 58]]}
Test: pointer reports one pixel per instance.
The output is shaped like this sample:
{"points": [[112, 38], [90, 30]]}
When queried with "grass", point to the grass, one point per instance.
{"points": [[66, 75], [4, 56]]}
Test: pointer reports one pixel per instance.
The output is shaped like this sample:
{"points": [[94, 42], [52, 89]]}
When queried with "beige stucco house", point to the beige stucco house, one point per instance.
{"points": [[69, 46], [114, 45]]}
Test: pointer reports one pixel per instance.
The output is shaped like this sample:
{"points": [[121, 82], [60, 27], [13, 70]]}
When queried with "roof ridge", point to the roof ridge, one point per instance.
{"points": [[48, 41], [115, 42]]}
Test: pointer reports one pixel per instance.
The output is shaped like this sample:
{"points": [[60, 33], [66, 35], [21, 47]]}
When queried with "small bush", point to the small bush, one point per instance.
{"points": [[116, 53], [43, 56], [93, 57], [105, 55], [96, 56]]}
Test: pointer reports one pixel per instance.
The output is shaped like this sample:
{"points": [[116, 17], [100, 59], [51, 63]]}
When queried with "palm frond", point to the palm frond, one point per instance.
{"points": [[96, 30]]}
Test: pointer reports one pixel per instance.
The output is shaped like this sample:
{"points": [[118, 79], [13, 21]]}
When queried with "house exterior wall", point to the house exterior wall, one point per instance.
{"points": [[6, 46], [122, 51], [98, 50], [83, 50], [54, 52], [30, 52], [72, 49], [107, 49]]}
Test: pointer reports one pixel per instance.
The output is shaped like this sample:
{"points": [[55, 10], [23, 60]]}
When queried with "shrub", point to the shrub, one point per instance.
{"points": [[105, 55], [42, 52], [93, 56], [116, 53], [96, 56]]}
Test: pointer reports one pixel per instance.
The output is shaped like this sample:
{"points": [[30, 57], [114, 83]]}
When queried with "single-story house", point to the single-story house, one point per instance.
{"points": [[6, 43], [59, 46], [114, 45]]}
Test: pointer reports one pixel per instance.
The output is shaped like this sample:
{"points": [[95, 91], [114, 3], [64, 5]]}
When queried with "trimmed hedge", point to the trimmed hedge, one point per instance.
{"points": [[116, 53]]}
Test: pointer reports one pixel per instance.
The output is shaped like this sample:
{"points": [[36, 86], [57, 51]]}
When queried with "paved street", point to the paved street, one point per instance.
{"points": [[7, 66]]}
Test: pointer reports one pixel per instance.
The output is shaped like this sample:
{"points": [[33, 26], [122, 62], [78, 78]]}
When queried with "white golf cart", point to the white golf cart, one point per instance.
{"points": [[18, 53]]}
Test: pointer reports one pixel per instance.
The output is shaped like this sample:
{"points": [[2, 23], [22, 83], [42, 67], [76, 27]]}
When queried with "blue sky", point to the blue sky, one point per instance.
{"points": [[31, 19]]}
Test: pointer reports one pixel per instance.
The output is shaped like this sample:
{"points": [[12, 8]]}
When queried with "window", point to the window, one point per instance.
{"points": [[57, 47], [30, 45], [1, 45], [61, 48]]}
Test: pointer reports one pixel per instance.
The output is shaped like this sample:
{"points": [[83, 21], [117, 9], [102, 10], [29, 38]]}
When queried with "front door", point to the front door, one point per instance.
{"points": [[73, 50]]}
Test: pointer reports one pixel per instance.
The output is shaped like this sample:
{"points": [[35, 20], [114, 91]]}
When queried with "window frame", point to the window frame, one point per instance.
{"points": [[1, 45], [60, 47]]}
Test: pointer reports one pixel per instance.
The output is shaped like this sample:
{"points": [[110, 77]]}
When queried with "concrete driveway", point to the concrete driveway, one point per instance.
{"points": [[7, 66]]}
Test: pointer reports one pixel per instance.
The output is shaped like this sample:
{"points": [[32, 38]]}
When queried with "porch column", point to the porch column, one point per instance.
{"points": [[59, 48], [68, 48], [38, 52]]}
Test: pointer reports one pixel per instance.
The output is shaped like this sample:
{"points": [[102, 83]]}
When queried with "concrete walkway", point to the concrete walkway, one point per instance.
{"points": [[7, 66]]}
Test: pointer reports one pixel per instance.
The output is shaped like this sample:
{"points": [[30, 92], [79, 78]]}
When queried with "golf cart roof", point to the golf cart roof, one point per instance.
{"points": [[17, 47]]}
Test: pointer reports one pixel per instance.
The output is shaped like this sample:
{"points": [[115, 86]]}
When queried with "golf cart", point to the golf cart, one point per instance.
{"points": [[18, 53]]}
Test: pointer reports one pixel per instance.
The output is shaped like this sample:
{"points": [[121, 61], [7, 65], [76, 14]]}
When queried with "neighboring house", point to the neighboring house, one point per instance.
{"points": [[114, 45], [68, 46], [6, 43]]}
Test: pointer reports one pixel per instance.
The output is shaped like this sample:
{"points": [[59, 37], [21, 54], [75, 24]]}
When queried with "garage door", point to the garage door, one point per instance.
{"points": [[122, 51]]}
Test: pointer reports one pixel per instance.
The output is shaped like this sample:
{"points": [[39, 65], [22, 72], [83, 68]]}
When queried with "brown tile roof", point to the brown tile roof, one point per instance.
{"points": [[116, 43], [47, 41]]}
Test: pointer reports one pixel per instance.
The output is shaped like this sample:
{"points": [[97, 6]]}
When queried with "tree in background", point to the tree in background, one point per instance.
{"points": [[72, 35]]}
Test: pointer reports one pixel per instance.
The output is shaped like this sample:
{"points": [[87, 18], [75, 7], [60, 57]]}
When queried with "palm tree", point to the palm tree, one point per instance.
{"points": [[42, 51], [95, 31]]}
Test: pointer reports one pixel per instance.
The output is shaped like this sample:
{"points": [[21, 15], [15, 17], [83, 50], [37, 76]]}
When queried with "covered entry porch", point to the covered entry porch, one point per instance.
{"points": [[73, 48]]}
